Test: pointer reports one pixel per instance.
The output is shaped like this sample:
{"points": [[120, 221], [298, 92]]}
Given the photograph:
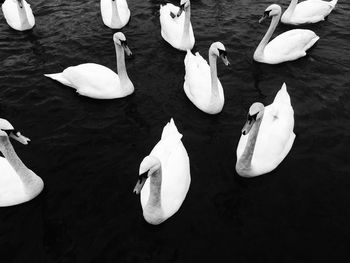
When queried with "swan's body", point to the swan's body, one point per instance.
{"points": [[168, 169], [18, 184], [270, 138], [288, 46], [115, 13], [310, 11], [97, 81], [18, 14], [202, 86], [177, 31]]}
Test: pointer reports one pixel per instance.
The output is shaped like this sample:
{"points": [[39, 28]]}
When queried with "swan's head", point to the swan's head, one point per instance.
{"points": [[218, 49], [272, 10], [20, 3], [149, 165], [7, 130], [256, 112], [184, 4], [120, 39]]}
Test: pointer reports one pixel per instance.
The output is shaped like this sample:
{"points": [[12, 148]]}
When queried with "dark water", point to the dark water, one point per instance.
{"points": [[88, 152]]}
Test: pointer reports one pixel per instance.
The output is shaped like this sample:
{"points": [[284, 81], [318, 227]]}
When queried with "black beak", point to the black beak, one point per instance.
{"points": [[127, 50], [249, 123], [265, 15], [140, 182], [182, 9]]}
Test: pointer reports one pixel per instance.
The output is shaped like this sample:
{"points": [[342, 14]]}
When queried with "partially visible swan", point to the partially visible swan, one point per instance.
{"points": [[18, 14], [97, 81], [310, 11], [202, 85], [267, 136], [176, 28], [164, 177], [115, 13], [288, 46], [18, 184]]}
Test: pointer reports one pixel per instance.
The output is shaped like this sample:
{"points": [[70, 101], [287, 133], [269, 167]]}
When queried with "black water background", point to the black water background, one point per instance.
{"points": [[88, 151]]}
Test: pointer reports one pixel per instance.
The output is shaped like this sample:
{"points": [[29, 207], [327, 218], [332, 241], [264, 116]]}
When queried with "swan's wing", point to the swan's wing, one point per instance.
{"points": [[312, 10], [171, 28], [29, 12], [197, 77], [291, 44], [9, 9], [123, 10], [92, 79]]}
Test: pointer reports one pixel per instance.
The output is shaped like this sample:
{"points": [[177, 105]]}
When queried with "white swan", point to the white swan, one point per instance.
{"points": [[202, 85], [310, 11], [267, 136], [288, 46], [18, 184], [115, 13], [168, 170], [176, 28], [18, 14], [97, 81]]}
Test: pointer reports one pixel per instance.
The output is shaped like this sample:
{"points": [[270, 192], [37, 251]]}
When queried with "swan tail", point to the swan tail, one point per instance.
{"points": [[312, 42], [59, 77], [282, 96], [170, 130]]}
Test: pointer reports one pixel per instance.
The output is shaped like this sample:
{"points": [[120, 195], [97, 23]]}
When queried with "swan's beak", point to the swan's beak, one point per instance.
{"points": [[225, 60], [140, 182], [248, 125], [16, 135], [182, 9], [126, 49], [20, 3], [265, 15]]}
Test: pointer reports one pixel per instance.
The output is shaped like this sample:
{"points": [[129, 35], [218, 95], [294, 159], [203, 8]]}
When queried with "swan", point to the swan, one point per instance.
{"points": [[202, 85], [310, 11], [177, 29], [18, 14], [18, 184], [97, 81], [168, 170], [267, 136], [288, 46], [115, 13]]}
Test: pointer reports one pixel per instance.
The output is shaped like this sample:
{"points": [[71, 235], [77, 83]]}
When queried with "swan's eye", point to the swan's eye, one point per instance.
{"points": [[252, 117], [222, 53], [8, 132], [123, 42], [267, 13], [143, 176]]}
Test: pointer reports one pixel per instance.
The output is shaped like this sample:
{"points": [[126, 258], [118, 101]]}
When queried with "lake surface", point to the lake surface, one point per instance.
{"points": [[88, 152]]}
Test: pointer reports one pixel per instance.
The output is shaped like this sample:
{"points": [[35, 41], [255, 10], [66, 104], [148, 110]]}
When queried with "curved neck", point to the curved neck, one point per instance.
{"points": [[290, 10], [9, 153], [268, 35], [247, 156], [22, 15], [186, 30], [115, 13], [123, 75], [213, 74], [154, 199]]}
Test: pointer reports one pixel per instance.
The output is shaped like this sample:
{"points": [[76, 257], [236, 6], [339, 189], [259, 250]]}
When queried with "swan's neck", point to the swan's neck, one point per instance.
{"points": [[123, 75], [247, 156], [290, 10], [115, 13], [268, 35], [186, 31], [23, 15], [214, 75], [154, 200], [9, 153]]}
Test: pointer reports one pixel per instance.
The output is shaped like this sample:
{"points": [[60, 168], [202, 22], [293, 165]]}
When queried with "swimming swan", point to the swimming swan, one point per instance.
{"points": [[18, 14], [267, 136], [168, 169], [97, 81], [310, 11], [115, 13], [202, 85], [18, 184], [288, 46], [176, 28]]}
